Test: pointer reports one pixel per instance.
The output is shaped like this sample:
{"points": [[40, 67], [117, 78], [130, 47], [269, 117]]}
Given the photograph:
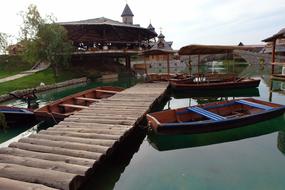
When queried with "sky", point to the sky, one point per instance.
{"points": [[182, 21]]}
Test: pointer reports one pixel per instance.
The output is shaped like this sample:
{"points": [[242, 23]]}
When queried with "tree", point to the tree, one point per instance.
{"points": [[53, 45], [31, 22], [45, 40], [3, 42]]}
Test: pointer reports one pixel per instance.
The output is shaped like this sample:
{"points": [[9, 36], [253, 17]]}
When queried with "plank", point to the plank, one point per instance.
{"points": [[107, 91], [87, 99], [73, 106]]}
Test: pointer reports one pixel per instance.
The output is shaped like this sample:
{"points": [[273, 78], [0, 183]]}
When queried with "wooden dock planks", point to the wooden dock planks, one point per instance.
{"points": [[62, 157]]}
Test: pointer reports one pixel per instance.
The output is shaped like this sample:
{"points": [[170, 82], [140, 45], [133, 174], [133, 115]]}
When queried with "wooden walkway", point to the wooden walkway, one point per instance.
{"points": [[63, 156]]}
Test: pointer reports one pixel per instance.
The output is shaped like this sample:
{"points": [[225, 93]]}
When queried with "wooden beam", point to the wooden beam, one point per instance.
{"points": [[273, 55], [73, 106]]}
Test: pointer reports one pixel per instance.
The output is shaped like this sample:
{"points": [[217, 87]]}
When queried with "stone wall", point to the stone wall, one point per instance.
{"points": [[42, 88]]}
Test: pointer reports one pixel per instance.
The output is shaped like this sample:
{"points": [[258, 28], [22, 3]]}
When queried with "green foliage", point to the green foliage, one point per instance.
{"points": [[45, 40], [11, 65], [53, 45], [31, 22]]}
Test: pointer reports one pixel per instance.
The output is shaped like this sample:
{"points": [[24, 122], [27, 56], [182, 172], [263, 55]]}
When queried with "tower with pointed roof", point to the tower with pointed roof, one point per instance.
{"points": [[127, 15]]}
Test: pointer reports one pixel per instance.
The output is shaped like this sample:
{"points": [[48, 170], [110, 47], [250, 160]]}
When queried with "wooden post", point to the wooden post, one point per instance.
{"points": [[128, 62], [145, 65], [198, 63], [168, 66], [273, 55]]}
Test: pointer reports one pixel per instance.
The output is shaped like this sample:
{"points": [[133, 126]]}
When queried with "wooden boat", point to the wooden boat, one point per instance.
{"points": [[214, 84], [173, 142], [14, 116], [66, 106], [213, 116]]}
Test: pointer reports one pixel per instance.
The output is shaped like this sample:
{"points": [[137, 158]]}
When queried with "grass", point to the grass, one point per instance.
{"points": [[11, 65], [34, 80]]}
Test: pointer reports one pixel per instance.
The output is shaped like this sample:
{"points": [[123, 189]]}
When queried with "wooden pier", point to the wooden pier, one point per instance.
{"points": [[64, 156]]}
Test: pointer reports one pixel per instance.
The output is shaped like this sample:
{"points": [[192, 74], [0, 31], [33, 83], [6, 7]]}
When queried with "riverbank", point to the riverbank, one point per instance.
{"points": [[42, 88]]}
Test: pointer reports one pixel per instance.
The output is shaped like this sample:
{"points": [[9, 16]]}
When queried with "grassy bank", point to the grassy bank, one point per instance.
{"points": [[34, 80], [11, 65]]}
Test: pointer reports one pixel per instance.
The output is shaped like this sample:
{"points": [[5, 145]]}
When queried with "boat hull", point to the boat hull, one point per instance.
{"points": [[253, 83], [62, 108], [17, 117], [174, 128]]}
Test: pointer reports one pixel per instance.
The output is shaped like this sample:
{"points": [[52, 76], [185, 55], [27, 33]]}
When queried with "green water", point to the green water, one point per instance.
{"points": [[251, 157]]}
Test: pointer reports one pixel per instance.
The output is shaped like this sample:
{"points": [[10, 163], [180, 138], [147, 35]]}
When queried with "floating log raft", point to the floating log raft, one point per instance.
{"points": [[64, 156]]}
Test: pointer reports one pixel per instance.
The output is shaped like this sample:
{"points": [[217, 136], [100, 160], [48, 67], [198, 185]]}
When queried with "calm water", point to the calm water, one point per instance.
{"points": [[251, 157]]}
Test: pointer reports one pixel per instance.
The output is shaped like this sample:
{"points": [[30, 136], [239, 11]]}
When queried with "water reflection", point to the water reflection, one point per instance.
{"points": [[109, 171], [281, 141], [172, 142]]}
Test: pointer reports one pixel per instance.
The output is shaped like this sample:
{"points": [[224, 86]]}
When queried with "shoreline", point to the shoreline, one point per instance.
{"points": [[7, 97]]}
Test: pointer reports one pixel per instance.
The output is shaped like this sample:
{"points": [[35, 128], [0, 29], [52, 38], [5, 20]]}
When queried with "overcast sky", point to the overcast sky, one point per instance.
{"points": [[182, 21]]}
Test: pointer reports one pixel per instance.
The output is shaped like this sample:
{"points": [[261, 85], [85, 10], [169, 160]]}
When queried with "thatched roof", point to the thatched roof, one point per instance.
{"points": [[210, 49], [106, 30], [280, 34]]}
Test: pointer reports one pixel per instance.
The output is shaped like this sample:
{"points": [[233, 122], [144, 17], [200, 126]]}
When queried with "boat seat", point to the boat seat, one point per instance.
{"points": [[255, 105], [107, 91], [87, 99], [73, 106], [206, 113]]}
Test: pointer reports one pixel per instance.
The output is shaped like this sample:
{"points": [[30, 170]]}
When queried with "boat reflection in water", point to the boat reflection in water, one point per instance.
{"points": [[250, 92], [172, 142], [281, 141]]}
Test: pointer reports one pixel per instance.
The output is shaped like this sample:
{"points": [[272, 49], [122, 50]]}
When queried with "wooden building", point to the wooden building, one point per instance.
{"points": [[107, 38], [277, 41]]}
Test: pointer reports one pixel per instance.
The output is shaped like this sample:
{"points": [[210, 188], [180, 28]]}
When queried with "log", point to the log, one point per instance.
{"points": [[102, 142], [44, 164], [48, 156], [56, 150], [10, 184], [65, 145], [88, 114], [55, 179], [84, 130], [103, 121], [66, 124], [106, 117], [82, 135]]}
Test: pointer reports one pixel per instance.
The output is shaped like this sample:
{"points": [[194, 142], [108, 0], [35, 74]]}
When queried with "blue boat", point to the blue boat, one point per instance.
{"points": [[213, 116], [14, 116]]}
